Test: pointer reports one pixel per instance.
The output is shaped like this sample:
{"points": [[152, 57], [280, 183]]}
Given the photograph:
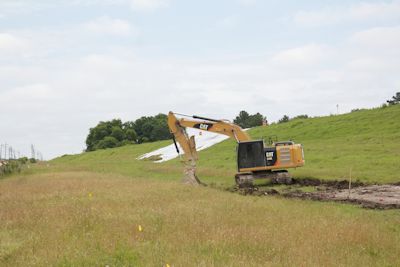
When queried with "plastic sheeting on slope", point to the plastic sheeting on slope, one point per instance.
{"points": [[203, 140]]}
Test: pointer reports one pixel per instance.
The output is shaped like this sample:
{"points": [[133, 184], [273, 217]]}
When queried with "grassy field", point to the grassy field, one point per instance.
{"points": [[81, 218], [85, 210]]}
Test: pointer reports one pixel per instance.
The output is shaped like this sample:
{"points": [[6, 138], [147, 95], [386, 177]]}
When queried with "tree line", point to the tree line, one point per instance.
{"points": [[115, 133]]}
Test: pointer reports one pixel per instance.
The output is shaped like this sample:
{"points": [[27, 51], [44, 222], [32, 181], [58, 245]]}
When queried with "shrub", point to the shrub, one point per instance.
{"points": [[284, 119], [107, 142], [304, 116], [10, 166], [395, 99]]}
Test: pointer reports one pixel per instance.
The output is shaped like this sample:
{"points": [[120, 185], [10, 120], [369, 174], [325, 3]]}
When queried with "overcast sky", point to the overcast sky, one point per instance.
{"points": [[66, 65]]}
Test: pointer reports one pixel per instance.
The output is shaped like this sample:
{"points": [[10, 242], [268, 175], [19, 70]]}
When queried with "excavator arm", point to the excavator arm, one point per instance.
{"points": [[211, 125], [188, 145]]}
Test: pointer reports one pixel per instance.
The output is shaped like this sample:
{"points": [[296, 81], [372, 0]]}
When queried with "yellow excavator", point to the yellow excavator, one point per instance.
{"points": [[254, 159]]}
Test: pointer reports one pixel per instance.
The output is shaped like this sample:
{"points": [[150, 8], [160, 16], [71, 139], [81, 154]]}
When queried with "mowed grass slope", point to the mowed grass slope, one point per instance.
{"points": [[367, 142], [84, 210]]}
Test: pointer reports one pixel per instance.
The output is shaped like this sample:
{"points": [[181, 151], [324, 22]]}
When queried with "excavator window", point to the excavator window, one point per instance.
{"points": [[251, 154]]}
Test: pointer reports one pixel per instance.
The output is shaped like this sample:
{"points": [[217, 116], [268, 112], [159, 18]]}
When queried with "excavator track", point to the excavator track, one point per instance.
{"points": [[277, 177]]}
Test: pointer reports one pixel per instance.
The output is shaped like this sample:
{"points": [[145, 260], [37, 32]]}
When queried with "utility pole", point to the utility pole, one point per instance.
{"points": [[33, 151], [5, 151], [337, 109]]}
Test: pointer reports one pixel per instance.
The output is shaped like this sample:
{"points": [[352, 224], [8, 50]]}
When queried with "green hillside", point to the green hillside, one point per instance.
{"points": [[366, 141], [85, 210]]}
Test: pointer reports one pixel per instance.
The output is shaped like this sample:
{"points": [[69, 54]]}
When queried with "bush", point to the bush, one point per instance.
{"points": [[131, 135], [107, 142], [10, 166], [395, 100], [304, 116], [118, 133], [23, 160], [284, 119]]}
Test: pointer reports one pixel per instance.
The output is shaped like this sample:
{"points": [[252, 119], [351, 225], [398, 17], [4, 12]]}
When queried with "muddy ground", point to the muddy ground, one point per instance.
{"points": [[386, 196]]}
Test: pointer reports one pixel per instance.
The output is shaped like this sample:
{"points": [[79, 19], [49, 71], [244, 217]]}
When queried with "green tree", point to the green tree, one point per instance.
{"points": [[149, 129], [285, 118], [256, 120], [107, 142], [245, 120], [144, 129], [160, 129], [102, 130], [130, 135], [118, 133], [395, 99], [242, 119]]}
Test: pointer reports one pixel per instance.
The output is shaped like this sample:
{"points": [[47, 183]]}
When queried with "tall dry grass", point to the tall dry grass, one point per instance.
{"points": [[92, 219]]}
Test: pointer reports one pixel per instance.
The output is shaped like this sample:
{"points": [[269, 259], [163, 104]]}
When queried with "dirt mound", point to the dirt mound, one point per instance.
{"points": [[338, 184], [385, 196]]}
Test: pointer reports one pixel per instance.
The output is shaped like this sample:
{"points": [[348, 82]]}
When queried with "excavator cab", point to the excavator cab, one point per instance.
{"points": [[255, 160]]}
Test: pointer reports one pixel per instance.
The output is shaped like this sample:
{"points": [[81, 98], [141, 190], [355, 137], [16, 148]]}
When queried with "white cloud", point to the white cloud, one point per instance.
{"points": [[359, 12], [12, 46], [148, 4], [247, 2], [368, 11], [227, 22], [29, 6], [22, 6], [9, 41], [306, 55], [379, 37], [27, 94], [107, 25]]}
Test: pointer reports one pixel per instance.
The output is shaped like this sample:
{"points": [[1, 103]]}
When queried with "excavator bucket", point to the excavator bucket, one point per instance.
{"points": [[189, 175]]}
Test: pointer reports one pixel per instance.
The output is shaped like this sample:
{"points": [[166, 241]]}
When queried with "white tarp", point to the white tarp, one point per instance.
{"points": [[203, 140]]}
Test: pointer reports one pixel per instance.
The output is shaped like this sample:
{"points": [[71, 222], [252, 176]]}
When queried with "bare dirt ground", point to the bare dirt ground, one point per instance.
{"points": [[386, 196], [374, 196]]}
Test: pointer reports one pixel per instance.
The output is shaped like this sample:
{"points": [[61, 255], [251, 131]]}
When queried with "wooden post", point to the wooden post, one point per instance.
{"points": [[350, 183]]}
